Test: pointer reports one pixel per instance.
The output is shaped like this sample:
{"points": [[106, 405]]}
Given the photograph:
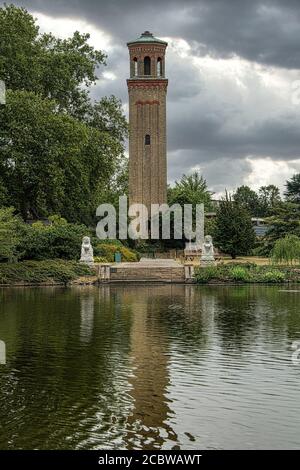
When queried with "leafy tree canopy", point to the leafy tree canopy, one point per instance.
{"points": [[58, 149], [292, 192], [191, 189], [269, 198], [284, 221], [247, 198], [9, 238], [233, 230], [259, 204], [60, 69]]}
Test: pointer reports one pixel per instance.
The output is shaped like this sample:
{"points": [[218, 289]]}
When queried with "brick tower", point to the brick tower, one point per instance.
{"points": [[147, 89]]}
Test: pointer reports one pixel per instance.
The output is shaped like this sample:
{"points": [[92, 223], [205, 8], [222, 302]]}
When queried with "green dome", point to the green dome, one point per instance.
{"points": [[147, 37]]}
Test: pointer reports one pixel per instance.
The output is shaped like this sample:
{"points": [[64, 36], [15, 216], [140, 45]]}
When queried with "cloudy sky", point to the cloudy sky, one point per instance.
{"points": [[234, 78]]}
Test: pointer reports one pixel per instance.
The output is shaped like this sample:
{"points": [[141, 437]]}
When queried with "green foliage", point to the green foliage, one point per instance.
{"points": [[287, 250], [273, 276], [247, 198], [58, 149], [209, 226], [259, 204], [9, 237], [54, 163], [59, 239], [52, 241], [204, 275], [233, 231], [191, 189], [245, 273], [285, 221], [238, 273], [269, 198], [292, 192], [108, 251], [59, 69], [36, 272]]}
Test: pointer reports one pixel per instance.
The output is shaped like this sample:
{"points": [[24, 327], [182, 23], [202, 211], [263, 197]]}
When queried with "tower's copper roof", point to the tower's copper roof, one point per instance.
{"points": [[147, 37]]}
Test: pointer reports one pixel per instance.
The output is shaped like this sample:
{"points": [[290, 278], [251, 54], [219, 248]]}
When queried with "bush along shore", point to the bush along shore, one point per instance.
{"points": [[247, 273], [48, 272]]}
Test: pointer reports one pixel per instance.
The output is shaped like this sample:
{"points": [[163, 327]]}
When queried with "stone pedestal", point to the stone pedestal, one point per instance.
{"points": [[207, 256], [207, 262]]}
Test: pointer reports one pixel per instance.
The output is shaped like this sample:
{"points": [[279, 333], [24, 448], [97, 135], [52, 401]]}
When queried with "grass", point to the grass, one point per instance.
{"points": [[40, 272]]}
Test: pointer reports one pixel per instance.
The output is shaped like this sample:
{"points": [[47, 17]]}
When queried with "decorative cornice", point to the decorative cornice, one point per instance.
{"points": [[147, 83], [147, 48]]}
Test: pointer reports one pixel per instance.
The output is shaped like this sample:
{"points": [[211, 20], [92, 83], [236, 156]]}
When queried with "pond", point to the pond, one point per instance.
{"points": [[150, 367]]}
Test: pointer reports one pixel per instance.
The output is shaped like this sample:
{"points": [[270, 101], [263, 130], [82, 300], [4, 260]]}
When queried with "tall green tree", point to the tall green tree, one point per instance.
{"points": [[284, 221], [259, 204], [191, 189], [58, 149], [233, 230], [247, 198], [269, 198], [60, 69], [52, 162], [9, 236], [292, 192]]}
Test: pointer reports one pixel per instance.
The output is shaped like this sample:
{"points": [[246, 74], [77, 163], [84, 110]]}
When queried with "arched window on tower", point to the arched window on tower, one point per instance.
{"points": [[147, 139], [159, 67], [147, 65], [135, 66]]}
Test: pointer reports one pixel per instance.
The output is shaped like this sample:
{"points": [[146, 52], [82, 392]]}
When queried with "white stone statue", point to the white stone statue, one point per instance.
{"points": [[207, 256], [87, 253]]}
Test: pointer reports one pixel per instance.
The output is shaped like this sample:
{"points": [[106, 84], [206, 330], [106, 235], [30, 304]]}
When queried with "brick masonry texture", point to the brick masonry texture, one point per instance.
{"points": [[147, 116]]}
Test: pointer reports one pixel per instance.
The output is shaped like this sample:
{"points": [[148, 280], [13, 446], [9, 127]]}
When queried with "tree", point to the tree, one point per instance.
{"points": [[284, 221], [292, 192], [58, 150], [233, 231], [9, 239], [269, 198], [51, 162], [60, 69], [191, 189], [287, 249], [247, 198]]}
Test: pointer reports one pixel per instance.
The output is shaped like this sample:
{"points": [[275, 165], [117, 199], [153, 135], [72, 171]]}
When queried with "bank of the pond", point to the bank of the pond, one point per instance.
{"points": [[62, 272], [247, 273], [49, 272]]}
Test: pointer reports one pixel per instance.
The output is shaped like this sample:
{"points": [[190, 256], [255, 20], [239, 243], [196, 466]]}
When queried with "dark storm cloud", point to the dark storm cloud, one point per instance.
{"points": [[266, 31], [212, 125]]}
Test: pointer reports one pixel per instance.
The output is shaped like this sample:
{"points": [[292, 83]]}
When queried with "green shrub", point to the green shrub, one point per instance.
{"points": [[238, 273], [204, 275], [247, 274], [273, 276], [59, 240], [35, 272]]}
